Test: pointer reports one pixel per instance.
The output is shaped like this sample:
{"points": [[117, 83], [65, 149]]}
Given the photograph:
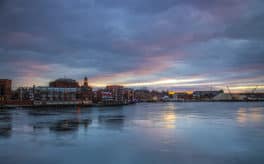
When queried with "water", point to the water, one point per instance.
{"points": [[164, 133]]}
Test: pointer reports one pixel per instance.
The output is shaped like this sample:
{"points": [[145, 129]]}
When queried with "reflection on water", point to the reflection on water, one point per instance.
{"points": [[170, 119], [5, 124], [57, 124], [169, 116], [111, 121], [5, 131], [147, 133], [69, 125], [245, 115], [41, 113]]}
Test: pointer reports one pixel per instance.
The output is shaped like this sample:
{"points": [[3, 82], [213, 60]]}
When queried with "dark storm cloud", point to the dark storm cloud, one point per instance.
{"points": [[250, 25], [150, 39], [155, 6]]}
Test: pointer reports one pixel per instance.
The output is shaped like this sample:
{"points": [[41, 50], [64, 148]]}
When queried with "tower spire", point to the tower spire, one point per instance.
{"points": [[85, 83]]}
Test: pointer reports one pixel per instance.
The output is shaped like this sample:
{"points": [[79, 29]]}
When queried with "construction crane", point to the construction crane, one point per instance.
{"points": [[229, 91], [255, 89], [252, 96]]}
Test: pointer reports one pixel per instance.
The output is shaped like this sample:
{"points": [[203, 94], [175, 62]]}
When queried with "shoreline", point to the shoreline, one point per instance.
{"points": [[123, 104]]}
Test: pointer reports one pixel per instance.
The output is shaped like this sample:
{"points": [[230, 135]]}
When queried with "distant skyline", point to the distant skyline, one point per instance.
{"points": [[177, 44]]}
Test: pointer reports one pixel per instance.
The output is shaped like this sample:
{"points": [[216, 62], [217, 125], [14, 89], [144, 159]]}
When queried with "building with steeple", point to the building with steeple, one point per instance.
{"points": [[85, 81], [86, 90]]}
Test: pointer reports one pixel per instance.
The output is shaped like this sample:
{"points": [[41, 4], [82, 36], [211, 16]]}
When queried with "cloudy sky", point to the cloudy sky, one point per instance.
{"points": [[181, 44]]}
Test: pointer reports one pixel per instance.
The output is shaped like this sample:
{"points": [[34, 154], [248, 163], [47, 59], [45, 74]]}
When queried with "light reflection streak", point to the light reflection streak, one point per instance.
{"points": [[170, 117], [170, 120], [245, 115]]}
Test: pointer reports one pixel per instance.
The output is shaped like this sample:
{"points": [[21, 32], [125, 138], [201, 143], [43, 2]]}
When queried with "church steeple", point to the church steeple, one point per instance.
{"points": [[85, 83]]}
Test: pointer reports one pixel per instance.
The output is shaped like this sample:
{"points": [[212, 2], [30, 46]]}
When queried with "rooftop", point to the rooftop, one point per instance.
{"points": [[65, 80]]}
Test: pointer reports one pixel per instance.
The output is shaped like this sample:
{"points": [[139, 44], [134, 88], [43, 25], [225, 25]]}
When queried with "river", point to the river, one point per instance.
{"points": [[146, 133]]}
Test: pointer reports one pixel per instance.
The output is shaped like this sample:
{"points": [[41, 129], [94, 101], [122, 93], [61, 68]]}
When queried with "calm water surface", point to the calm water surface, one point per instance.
{"points": [[148, 133]]}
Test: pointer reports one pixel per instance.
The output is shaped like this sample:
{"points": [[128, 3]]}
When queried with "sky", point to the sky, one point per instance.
{"points": [[173, 44]]}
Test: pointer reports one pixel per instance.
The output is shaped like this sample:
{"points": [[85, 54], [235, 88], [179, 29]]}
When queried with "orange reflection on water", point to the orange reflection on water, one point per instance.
{"points": [[245, 115], [170, 116], [170, 119]]}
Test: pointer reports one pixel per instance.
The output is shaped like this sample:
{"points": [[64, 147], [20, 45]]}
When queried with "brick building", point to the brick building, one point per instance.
{"points": [[5, 89], [117, 92], [64, 83], [129, 95]]}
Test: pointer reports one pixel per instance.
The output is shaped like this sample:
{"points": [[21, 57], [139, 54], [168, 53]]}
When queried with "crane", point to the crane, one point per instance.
{"points": [[229, 91], [255, 89], [252, 95]]}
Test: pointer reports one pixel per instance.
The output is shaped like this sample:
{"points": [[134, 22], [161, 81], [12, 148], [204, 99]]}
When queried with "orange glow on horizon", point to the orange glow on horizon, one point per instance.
{"points": [[164, 82], [250, 87]]}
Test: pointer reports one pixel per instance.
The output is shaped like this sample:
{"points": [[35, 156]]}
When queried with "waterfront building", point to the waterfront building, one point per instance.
{"points": [[97, 97], [66, 91], [55, 94], [223, 97], [106, 96], [179, 96], [129, 95], [5, 89], [21, 96], [206, 94], [23, 93], [64, 83], [143, 95], [86, 91], [252, 96], [156, 95], [103, 96], [117, 92], [85, 82]]}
